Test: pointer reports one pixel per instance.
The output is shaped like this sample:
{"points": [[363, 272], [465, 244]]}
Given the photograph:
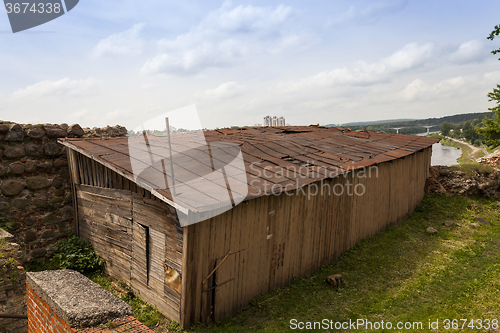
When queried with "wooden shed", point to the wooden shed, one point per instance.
{"points": [[211, 269]]}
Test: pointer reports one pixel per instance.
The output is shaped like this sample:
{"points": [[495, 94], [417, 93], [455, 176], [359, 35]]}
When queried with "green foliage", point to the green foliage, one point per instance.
{"points": [[491, 127], [144, 312], [5, 223], [77, 253], [174, 326], [445, 128], [472, 168], [470, 133], [492, 36]]}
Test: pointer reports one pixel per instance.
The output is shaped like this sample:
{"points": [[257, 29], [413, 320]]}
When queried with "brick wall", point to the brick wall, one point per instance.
{"points": [[41, 318], [51, 310]]}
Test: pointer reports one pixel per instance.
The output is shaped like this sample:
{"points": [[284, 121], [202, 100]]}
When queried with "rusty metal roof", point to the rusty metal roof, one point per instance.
{"points": [[273, 160]]}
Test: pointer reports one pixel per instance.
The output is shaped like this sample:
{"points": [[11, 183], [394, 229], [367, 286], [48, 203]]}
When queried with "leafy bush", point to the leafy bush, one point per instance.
{"points": [[77, 253]]}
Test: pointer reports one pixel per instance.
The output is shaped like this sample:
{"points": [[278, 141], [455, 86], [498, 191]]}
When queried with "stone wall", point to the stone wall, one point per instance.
{"points": [[12, 285], [35, 195], [478, 181]]}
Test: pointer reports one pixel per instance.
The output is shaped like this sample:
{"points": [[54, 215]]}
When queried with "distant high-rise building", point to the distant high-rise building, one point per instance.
{"points": [[274, 121], [267, 121]]}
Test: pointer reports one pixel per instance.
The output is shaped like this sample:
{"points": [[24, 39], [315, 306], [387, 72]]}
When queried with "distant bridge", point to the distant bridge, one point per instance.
{"points": [[426, 126]]}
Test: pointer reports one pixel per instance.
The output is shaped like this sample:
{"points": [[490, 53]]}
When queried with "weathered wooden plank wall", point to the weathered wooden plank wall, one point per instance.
{"points": [[138, 235], [105, 219], [271, 239]]}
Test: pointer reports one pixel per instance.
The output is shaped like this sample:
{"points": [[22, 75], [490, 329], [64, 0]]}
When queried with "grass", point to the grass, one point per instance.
{"points": [[402, 274], [472, 168], [144, 312]]}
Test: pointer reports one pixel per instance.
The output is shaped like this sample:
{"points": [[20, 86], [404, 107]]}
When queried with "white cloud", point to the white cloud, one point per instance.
{"points": [[245, 19], [224, 91], [420, 90], [492, 77], [367, 15], [63, 87], [117, 115], [228, 35], [123, 43], [410, 56], [188, 55], [471, 51], [362, 73]]}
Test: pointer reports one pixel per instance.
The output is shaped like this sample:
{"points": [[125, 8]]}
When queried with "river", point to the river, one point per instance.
{"points": [[443, 155]]}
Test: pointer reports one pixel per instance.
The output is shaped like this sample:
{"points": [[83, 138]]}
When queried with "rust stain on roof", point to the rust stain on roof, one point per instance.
{"points": [[275, 159]]}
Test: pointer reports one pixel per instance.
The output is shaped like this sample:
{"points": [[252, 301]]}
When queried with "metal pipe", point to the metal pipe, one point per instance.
{"points": [[171, 160], [13, 316]]}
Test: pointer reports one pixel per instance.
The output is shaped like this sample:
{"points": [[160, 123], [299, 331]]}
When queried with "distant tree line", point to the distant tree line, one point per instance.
{"points": [[468, 131]]}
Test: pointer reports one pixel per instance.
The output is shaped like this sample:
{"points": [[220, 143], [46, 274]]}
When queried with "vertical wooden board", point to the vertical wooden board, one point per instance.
{"points": [[93, 172], [307, 235], [84, 168], [329, 202], [74, 179], [324, 227], [156, 259], [251, 235], [223, 241], [361, 209], [119, 181], [273, 229], [209, 258], [187, 315], [224, 281], [198, 273], [236, 296], [240, 245], [337, 221], [235, 236], [287, 225], [261, 261], [80, 168], [139, 259], [346, 215]]}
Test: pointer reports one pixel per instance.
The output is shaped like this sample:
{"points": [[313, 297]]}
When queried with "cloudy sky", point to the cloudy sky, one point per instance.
{"points": [[124, 62]]}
